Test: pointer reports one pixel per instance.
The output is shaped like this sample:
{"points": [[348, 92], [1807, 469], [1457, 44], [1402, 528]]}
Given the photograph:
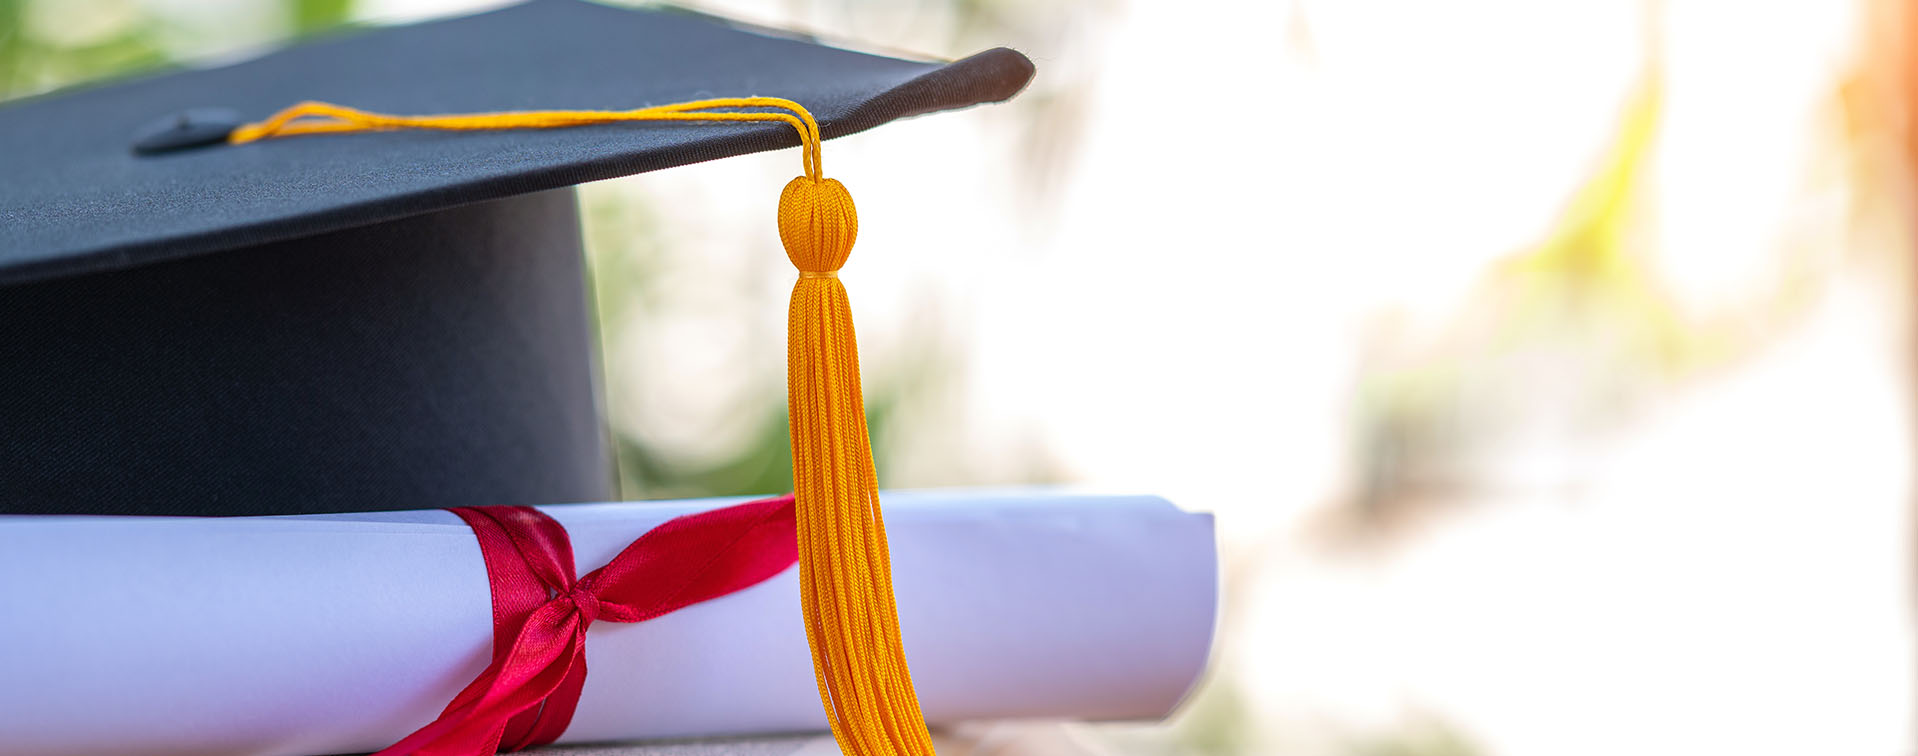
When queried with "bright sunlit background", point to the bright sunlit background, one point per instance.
{"points": [[1546, 363]]}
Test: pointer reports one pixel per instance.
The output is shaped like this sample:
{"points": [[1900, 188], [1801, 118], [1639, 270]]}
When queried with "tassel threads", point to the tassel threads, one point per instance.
{"points": [[845, 571]]}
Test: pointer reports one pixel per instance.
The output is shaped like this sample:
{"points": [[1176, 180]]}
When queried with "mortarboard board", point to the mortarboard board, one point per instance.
{"points": [[362, 321]]}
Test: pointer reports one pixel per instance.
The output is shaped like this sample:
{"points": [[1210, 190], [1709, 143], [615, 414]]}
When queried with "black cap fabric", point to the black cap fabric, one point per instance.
{"points": [[78, 198], [392, 320], [440, 360]]}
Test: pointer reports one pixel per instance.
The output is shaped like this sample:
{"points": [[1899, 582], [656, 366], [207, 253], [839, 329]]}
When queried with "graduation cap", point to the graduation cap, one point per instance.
{"points": [[368, 321], [212, 303]]}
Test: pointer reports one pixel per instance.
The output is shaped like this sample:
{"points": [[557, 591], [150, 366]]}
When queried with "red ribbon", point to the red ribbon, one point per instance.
{"points": [[527, 695]]}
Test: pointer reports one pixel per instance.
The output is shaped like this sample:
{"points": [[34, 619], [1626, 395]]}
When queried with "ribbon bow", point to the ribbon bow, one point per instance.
{"points": [[526, 696]]}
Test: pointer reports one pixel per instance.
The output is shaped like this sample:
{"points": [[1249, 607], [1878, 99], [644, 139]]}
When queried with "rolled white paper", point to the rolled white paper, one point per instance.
{"points": [[343, 633]]}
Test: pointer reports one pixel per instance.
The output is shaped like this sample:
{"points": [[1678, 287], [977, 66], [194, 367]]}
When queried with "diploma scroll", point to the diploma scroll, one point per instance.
{"points": [[343, 633]]}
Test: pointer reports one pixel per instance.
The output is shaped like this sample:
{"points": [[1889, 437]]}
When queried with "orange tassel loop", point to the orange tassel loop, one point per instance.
{"points": [[845, 573]]}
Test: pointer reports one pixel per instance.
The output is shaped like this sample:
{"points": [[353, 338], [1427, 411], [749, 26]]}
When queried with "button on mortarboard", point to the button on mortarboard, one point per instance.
{"points": [[199, 127]]}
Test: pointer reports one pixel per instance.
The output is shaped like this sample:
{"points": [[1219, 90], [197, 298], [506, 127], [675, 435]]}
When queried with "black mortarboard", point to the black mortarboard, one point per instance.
{"points": [[362, 321]]}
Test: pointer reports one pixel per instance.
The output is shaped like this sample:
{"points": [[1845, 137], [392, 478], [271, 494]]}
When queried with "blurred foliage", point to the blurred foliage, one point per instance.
{"points": [[1219, 720], [1579, 325], [35, 58], [1581, 298], [48, 44], [1424, 738], [762, 465], [309, 16]]}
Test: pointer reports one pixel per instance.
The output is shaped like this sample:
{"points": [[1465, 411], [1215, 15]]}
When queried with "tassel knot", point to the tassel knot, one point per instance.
{"points": [[817, 224], [845, 572]]}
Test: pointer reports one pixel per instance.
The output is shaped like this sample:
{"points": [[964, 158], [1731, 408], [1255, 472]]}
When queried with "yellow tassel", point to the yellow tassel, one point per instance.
{"points": [[845, 573]]}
